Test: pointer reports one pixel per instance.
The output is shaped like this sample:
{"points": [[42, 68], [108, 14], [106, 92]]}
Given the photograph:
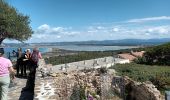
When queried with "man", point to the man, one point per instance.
{"points": [[19, 60], [5, 69], [26, 61]]}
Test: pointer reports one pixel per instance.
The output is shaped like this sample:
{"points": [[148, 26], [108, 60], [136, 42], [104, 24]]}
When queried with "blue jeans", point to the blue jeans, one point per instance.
{"points": [[4, 84]]}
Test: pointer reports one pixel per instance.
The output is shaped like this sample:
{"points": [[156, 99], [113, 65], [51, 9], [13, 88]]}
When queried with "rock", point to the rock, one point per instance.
{"points": [[111, 71], [97, 97], [53, 74], [143, 91], [81, 74]]}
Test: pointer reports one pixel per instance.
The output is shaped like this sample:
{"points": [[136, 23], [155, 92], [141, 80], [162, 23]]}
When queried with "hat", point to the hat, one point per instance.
{"points": [[1, 51]]}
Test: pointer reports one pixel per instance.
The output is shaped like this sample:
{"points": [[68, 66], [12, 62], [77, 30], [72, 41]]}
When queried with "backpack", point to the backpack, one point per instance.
{"points": [[34, 57], [22, 56]]}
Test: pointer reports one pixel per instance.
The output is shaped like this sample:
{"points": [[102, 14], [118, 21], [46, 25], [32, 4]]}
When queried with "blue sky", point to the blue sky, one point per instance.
{"points": [[82, 20]]}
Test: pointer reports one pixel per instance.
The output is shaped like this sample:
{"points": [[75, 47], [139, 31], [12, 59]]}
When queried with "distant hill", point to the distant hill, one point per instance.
{"points": [[123, 42], [14, 44]]}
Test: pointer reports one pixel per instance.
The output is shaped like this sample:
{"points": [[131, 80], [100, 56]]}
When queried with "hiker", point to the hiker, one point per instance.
{"points": [[5, 69], [14, 53], [19, 60], [35, 56], [26, 60]]}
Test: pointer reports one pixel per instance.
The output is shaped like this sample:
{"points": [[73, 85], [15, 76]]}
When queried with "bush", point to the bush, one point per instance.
{"points": [[78, 57], [157, 55], [158, 75]]}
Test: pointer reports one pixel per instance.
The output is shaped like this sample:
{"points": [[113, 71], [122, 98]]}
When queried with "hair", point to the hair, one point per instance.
{"points": [[35, 49], [28, 50], [1, 51], [19, 49]]}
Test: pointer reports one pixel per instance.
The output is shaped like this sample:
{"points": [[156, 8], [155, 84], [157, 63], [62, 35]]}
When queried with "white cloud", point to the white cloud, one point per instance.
{"points": [[100, 28], [92, 31], [58, 29], [115, 29], [58, 36], [149, 19], [46, 29], [159, 30], [46, 33], [73, 33]]}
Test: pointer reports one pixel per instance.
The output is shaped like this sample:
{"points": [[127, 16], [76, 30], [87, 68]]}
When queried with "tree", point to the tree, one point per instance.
{"points": [[157, 55], [13, 25]]}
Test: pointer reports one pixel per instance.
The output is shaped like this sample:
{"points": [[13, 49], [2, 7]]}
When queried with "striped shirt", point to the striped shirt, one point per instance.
{"points": [[4, 65]]}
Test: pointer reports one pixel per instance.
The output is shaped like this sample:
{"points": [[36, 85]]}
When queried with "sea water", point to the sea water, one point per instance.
{"points": [[8, 51]]}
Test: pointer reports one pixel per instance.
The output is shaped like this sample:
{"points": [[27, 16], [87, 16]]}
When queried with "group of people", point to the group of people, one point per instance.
{"points": [[28, 59]]}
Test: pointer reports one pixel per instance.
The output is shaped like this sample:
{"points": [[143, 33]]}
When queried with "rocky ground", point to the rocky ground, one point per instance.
{"points": [[15, 90], [19, 90], [75, 85]]}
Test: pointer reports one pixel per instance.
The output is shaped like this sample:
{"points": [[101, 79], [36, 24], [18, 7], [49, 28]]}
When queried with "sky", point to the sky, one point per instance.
{"points": [[83, 20]]}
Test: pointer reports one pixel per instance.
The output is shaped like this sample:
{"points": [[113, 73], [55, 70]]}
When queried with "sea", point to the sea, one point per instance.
{"points": [[93, 47], [8, 50], [44, 49]]}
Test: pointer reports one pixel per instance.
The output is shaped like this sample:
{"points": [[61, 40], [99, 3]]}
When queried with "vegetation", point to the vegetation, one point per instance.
{"points": [[84, 55], [13, 25], [157, 55], [158, 75], [77, 57]]}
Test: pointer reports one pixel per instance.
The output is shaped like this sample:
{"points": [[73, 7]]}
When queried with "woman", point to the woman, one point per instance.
{"points": [[35, 56], [5, 69], [27, 59], [28, 54]]}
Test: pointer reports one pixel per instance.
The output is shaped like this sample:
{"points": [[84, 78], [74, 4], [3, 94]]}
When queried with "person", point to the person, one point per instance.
{"points": [[23, 64], [35, 56], [28, 54], [26, 61], [5, 70], [19, 60], [14, 53]]}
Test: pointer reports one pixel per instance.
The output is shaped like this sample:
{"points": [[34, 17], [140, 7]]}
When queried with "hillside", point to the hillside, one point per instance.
{"points": [[123, 42], [157, 55]]}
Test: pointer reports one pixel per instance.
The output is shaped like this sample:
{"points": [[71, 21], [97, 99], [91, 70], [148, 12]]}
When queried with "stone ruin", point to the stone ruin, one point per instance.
{"points": [[74, 85], [135, 90], [101, 85]]}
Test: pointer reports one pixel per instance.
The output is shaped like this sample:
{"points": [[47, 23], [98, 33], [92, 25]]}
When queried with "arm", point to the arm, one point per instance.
{"points": [[26, 56], [39, 55], [11, 70], [12, 73]]}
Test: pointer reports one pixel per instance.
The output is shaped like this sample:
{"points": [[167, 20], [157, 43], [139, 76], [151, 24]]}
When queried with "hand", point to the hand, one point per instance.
{"points": [[13, 78]]}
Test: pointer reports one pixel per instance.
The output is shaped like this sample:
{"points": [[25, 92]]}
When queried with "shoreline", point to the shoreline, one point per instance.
{"points": [[58, 52]]}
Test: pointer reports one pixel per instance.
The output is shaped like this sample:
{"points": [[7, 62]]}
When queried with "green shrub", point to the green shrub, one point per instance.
{"points": [[158, 75], [157, 55]]}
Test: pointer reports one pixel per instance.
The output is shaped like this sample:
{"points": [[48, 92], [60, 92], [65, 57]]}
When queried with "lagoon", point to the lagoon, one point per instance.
{"points": [[92, 47]]}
